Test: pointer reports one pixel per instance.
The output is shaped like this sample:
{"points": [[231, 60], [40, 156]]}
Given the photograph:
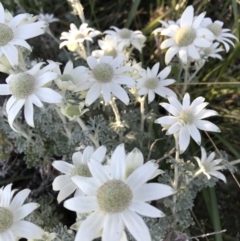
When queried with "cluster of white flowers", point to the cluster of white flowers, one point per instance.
{"points": [[112, 195], [194, 37]]}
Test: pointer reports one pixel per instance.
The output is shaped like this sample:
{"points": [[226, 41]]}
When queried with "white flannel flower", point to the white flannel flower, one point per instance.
{"points": [[76, 36], [13, 34], [186, 119], [106, 76], [71, 77], [126, 37], [187, 37], [134, 160], [12, 213], [27, 88], [46, 237], [63, 183], [114, 201], [47, 18], [109, 47], [220, 34], [212, 51], [151, 82], [209, 166]]}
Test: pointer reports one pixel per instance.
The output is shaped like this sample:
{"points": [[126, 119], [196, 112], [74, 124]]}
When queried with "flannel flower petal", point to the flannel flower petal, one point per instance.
{"points": [[151, 82], [27, 88], [115, 202], [14, 32], [47, 18], [63, 183], [209, 165], [221, 34], [186, 119], [12, 213], [186, 37], [105, 77]]}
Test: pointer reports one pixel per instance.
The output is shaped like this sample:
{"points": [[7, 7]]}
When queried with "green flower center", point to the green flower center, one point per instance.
{"points": [[207, 167], [22, 85], [103, 73], [114, 196], [6, 219], [111, 52], [185, 36], [6, 34], [207, 51], [81, 170], [72, 111], [125, 33], [215, 29], [152, 83], [79, 36], [186, 117], [66, 77]]}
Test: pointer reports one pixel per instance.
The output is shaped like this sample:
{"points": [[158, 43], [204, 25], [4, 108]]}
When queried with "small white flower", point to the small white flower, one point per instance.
{"points": [[63, 183], [71, 77], [186, 37], [75, 35], [12, 211], [186, 119], [47, 18], [212, 52], [126, 37], [106, 76], [46, 237], [151, 82], [134, 160], [114, 201], [109, 47], [13, 34], [27, 88], [209, 166], [220, 34]]}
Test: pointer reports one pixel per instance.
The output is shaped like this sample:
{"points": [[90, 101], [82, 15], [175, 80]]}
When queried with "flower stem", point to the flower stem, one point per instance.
{"points": [[84, 128], [142, 110], [115, 110]]}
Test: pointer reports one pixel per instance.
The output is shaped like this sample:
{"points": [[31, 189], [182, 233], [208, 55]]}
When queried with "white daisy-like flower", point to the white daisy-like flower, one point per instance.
{"points": [[63, 183], [46, 237], [109, 47], [151, 82], [114, 201], [187, 37], [78, 35], [209, 166], [12, 34], [186, 119], [220, 34], [27, 88], [212, 51], [106, 76], [47, 18], [12, 213], [126, 37], [134, 160], [71, 77]]}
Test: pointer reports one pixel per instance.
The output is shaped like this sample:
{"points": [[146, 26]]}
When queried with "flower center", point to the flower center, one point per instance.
{"points": [[185, 36], [186, 117], [6, 34], [215, 29], [207, 51], [114, 196], [66, 77], [207, 167], [152, 83], [125, 33], [72, 111], [81, 170], [22, 85], [6, 219], [79, 36], [103, 73], [111, 52]]}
